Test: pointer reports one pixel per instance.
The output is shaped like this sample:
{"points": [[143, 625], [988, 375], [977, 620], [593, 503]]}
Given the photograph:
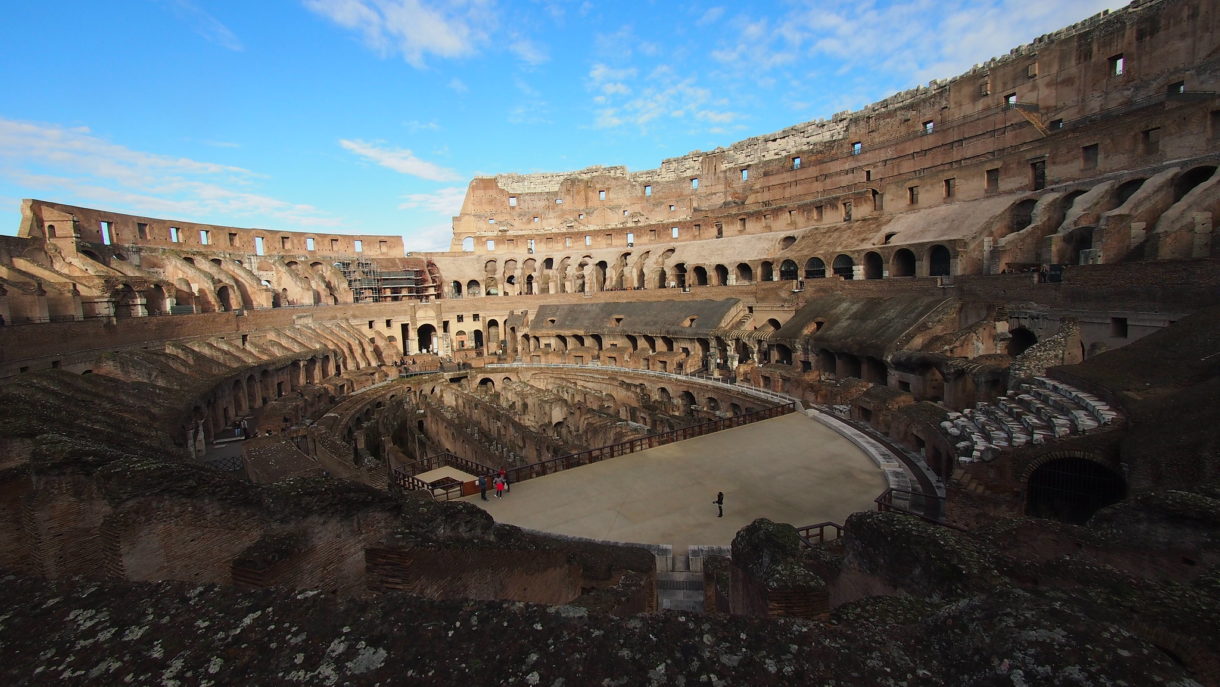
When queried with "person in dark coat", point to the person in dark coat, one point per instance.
{"points": [[719, 503], [482, 488]]}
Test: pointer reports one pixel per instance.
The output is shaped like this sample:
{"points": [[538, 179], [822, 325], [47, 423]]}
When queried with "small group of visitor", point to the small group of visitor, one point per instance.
{"points": [[498, 482]]}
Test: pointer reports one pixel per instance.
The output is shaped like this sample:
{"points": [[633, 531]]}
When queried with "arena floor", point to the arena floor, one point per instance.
{"points": [[789, 469]]}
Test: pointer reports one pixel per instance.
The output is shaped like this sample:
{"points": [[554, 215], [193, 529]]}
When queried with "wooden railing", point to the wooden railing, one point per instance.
{"points": [[550, 466], [818, 534]]}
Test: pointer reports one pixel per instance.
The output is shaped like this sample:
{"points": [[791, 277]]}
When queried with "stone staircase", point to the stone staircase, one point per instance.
{"points": [[1038, 411], [680, 578]]}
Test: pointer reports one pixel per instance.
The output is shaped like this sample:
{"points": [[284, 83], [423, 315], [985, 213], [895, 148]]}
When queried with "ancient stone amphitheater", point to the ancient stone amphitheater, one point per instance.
{"points": [[221, 446]]}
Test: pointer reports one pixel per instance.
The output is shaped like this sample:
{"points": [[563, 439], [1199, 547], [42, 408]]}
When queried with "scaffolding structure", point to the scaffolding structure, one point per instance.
{"points": [[371, 284]]}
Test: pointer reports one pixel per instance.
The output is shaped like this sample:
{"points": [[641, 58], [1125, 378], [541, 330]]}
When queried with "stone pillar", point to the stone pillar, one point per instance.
{"points": [[1202, 239]]}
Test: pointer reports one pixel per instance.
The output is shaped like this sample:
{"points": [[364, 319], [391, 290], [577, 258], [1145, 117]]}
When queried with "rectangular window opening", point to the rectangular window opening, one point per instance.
{"points": [[868, 175], [694, 183], [601, 195], [1151, 139], [105, 229], [1010, 100], [491, 244], [204, 237], [1117, 65], [796, 162], [745, 175], [359, 245], [259, 246], [1176, 88], [950, 187], [1118, 327], [928, 126], [285, 242], [309, 243], [992, 183], [647, 190], [142, 229], [673, 232], [1088, 156], [1037, 172], [588, 240], [512, 201], [232, 238], [912, 194], [857, 147]]}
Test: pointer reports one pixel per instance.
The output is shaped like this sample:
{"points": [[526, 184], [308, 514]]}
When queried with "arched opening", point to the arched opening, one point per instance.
{"points": [[815, 268], [783, 354], [712, 403], [487, 385], [700, 276], [786, 242], [1021, 339], [156, 301], [688, 402], [766, 271], [455, 289], [425, 338], [1072, 489], [126, 302], [844, 267], [478, 338], [1189, 180], [873, 265], [903, 263], [493, 334], [722, 275], [787, 270], [745, 274], [1076, 242], [849, 366], [224, 298], [473, 288], [599, 276], [1125, 190], [939, 261], [1020, 216], [468, 244]]}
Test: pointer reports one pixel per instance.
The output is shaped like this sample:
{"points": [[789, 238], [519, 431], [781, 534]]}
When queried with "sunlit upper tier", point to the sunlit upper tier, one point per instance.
{"points": [[41, 219], [1040, 116]]}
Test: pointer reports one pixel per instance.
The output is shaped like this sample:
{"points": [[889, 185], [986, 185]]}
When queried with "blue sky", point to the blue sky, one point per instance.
{"points": [[371, 116]]}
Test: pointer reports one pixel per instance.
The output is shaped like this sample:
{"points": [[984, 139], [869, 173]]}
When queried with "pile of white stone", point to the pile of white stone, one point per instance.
{"points": [[1033, 414]]}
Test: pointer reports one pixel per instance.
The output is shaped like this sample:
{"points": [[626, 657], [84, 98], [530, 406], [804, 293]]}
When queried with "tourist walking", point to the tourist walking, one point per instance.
{"points": [[719, 504], [482, 488], [504, 477], [499, 488]]}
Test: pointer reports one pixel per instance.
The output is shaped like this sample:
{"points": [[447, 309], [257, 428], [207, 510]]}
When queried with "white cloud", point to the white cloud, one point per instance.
{"points": [[906, 37], [47, 158], [400, 160], [413, 28], [710, 16], [661, 93], [528, 52], [416, 126], [432, 237], [204, 24], [446, 201], [458, 86]]}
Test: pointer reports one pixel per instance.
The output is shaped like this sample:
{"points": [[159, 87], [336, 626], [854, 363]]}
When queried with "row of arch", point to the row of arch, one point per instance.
{"points": [[593, 276]]}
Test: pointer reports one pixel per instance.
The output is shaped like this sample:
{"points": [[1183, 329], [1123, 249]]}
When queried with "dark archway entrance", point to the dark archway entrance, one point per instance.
{"points": [[1021, 339], [426, 338], [1072, 489]]}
